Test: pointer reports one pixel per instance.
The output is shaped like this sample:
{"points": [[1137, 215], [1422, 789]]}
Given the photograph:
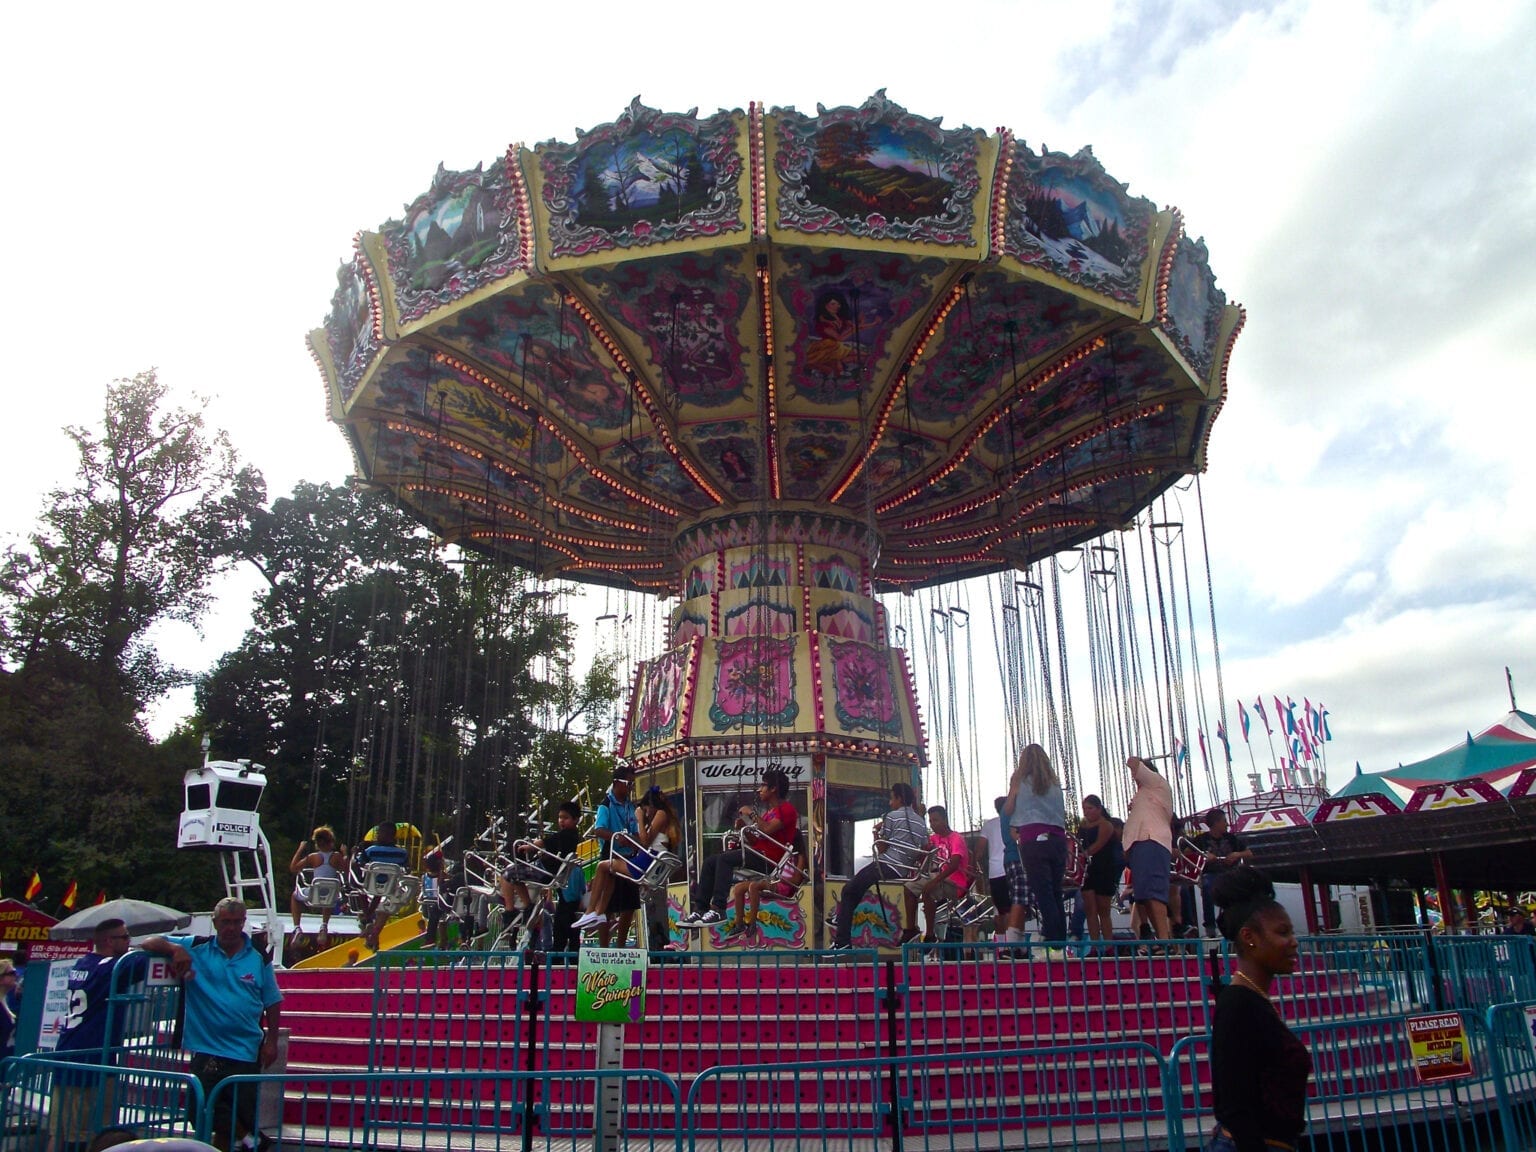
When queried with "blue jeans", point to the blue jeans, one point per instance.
{"points": [[1045, 862]]}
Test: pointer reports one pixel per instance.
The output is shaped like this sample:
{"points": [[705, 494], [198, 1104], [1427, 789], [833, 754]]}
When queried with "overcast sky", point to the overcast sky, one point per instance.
{"points": [[184, 181]]}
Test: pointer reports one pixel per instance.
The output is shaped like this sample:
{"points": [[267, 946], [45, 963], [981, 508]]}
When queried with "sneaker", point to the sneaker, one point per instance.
{"points": [[835, 947], [1055, 954], [590, 920], [706, 919], [736, 931], [830, 919]]}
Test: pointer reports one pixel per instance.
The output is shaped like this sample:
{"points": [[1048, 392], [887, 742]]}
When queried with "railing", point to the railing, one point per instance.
{"points": [[69, 1102], [1364, 1081], [1059, 1049]]}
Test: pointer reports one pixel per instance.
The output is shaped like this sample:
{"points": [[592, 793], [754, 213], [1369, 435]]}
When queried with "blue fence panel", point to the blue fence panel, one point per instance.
{"points": [[704, 1009], [962, 1100], [1477, 972], [448, 1012], [71, 1102], [1364, 1082], [1512, 1046], [390, 1112]]}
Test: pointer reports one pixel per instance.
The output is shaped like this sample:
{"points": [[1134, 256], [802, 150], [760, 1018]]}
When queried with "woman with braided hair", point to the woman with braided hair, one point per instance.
{"points": [[1259, 1070]]}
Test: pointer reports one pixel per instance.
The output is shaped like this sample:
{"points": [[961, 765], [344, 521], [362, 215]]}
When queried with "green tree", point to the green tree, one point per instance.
{"points": [[158, 506], [380, 682]]}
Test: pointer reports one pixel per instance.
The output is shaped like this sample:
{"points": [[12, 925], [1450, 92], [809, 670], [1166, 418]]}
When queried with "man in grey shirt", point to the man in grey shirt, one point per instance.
{"points": [[904, 839]]}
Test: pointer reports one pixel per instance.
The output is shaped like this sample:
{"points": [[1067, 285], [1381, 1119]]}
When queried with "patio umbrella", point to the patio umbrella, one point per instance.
{"points": [[141, 917]]}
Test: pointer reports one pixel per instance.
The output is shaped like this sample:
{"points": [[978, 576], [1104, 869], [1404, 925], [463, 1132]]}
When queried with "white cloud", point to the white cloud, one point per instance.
{"points": [[1363, 174]]}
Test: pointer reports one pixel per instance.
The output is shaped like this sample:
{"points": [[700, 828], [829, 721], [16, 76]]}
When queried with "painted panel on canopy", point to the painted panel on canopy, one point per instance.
{"points": [[1195, 306], [860, 690], [758, 612], [688, 623], [835, 571], [1068, 216], [760, 566], [543, 351], [843, 318], [659, 700], [847, 617], [901, 457], [645, 463], [414, 455], [813, 451], [647, 178], [975, 353], [1160, 436], [455, 239], [1124, 371], [350, 344], [429, 392], [875, 172], [968, 479], [730, 449], [684, 314], [581, 486], [752, 683]]}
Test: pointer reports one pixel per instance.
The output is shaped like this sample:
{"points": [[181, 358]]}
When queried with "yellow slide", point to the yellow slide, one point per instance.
{"points": [[401, 930]]}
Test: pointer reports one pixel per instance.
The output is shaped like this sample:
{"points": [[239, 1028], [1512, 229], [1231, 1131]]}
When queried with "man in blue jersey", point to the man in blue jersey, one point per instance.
{"points": [[229, 992], [76, 1110]]}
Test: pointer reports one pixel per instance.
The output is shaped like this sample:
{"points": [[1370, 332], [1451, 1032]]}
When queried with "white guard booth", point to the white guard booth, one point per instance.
{"points": [[220, 814]]}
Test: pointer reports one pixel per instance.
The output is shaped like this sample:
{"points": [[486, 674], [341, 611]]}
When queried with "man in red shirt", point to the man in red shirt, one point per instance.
{"points": [[767, 838], [950, 881]]}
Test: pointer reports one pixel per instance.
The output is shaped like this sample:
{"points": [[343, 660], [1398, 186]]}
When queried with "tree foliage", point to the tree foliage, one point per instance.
{"points": [[157, 506], [380, 682]]}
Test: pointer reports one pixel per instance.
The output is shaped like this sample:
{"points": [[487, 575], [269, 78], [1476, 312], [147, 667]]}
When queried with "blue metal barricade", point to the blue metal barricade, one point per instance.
{"points": [[1512, 1048], [390, 1112], [69, 1102]]}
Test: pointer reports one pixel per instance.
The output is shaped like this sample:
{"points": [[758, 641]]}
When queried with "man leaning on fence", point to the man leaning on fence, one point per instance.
{"points": [[76, 1109], [229, 992]]}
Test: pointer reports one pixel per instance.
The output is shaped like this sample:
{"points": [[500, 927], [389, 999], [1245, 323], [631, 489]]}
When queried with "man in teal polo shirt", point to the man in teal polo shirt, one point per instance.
{"points": [[229, 991]]}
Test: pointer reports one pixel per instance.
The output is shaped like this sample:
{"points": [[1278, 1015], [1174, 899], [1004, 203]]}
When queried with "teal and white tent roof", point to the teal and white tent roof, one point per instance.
{"points": [[1497, 754]]}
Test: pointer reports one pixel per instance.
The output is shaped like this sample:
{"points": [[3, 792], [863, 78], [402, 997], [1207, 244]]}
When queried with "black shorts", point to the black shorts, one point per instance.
{"points": [[1103, 875], [1002, 894], [625, 896]]}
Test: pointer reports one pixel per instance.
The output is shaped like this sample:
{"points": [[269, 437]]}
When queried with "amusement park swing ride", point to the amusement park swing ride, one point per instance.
{"points": [[842, 389]]}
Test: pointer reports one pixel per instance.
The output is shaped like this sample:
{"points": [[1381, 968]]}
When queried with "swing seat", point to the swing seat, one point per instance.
{"points": [[406, 889], [539, 869], [323, 893], [379, 879]]}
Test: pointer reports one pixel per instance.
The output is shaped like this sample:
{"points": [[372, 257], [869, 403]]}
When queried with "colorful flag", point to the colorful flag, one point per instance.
{"points": [[71, 892], [1242, 718], [101, 897], [1307, 749], [1322, 720], [1280, 716], [1180, 753], [34, 887], [1258, 706], [1310, 713], [1290, 715], [1221, 734]]}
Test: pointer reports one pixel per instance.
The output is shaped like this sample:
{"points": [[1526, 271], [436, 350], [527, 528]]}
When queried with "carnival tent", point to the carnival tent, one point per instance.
{"points": [[1497, 754]]}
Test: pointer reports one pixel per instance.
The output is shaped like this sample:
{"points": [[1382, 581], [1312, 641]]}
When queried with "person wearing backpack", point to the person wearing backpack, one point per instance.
{"points": [[1099, 834]]}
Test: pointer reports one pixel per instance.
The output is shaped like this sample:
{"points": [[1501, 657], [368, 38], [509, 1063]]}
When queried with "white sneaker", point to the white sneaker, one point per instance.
{"points": [[590, 920]]}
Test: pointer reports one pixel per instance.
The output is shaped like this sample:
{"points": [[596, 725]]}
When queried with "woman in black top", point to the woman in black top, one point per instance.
{"points": [[1259, 1070]]}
